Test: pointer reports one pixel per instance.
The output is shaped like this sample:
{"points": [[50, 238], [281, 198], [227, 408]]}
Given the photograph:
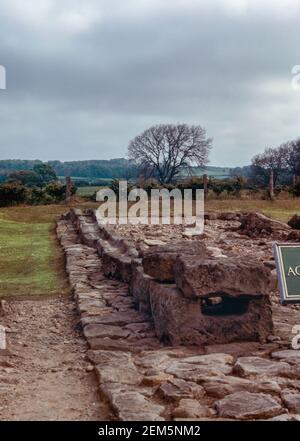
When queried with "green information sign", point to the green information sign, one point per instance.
{"points": [[287, 257]]}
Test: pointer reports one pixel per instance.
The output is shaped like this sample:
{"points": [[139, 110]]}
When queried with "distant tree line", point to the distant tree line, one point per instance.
{"points": [[92, 169], [164, 155]]}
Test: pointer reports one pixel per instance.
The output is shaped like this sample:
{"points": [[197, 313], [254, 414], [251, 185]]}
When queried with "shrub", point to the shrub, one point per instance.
{"points": [[295, 189], [57, 191], [12, 193], [26, 177], [39, 196]]}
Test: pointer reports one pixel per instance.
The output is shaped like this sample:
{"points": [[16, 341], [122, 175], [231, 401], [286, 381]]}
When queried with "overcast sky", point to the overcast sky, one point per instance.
{"points": [[85, 77]]}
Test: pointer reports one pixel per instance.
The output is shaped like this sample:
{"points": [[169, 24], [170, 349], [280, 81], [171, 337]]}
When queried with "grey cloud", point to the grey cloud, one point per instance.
{"points": [[85, 94]]}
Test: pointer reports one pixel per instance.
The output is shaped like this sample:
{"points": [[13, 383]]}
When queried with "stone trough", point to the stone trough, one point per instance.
{"points": [[193, 296]]}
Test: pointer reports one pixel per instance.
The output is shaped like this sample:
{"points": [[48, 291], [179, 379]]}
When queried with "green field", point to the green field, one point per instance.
{"points": [[87, 191], [30, 260]]}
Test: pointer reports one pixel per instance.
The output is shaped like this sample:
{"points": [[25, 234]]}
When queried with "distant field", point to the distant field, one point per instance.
{"points": [[87, 191], [214, 172]]}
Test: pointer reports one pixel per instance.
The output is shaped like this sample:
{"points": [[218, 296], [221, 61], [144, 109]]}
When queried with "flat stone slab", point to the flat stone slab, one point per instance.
{"points": [[290, 356], [116, 318], [188, 408], [98, 330], [200, 367], [175, 389], [247, 405], [115, 367], [285, 417], [220, 361], [123, 345], [118, 374], [291, 400], [253, 366], [220, 387], [153, 360], [133, 406]]}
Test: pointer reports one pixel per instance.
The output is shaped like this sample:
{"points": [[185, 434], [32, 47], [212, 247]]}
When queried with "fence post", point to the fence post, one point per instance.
{"points": [[69, 186], [205, 186], [271, 185]]}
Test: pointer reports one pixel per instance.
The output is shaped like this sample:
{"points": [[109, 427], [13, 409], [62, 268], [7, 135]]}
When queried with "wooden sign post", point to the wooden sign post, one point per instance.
{"points": [[287, 257]]}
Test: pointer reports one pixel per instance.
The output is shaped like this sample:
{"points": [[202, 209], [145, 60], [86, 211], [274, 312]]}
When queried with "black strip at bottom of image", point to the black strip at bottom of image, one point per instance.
{"points": [[139, 430]]}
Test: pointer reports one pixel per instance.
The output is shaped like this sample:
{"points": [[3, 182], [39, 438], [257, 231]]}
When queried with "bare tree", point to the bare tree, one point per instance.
{"points": [[271, 159], [167, 149], [293, 158]]}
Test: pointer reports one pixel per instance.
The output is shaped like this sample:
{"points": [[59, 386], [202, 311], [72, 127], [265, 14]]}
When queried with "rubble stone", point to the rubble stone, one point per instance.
{"points": [[174, 389], [294, 222], [253, 366], [188, 408], [247, 405], [259, 225], [219, 387], [291, 400]]}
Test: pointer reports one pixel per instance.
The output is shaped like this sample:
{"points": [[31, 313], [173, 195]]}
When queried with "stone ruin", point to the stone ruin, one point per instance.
{"points": [[193, 296], [196, 298], [159, 312]]}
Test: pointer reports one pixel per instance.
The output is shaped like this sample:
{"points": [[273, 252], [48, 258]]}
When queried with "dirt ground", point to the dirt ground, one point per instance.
{"points": [[43, 373]]}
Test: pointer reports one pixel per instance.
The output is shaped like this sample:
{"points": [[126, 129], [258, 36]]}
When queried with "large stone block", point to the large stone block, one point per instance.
{"points": [[159, 261], [227, 278], [189, 321]]}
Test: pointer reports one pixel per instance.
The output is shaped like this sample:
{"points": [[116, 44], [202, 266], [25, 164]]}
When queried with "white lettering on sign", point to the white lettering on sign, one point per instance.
{"points": [[294, 271]]}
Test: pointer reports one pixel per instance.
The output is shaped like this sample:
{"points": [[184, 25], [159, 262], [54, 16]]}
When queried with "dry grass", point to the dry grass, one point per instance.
{"points": [[281, 209]]}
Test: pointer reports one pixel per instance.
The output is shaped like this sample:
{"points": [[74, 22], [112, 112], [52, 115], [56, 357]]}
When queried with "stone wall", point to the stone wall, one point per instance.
{"points": [[193, 296]]}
